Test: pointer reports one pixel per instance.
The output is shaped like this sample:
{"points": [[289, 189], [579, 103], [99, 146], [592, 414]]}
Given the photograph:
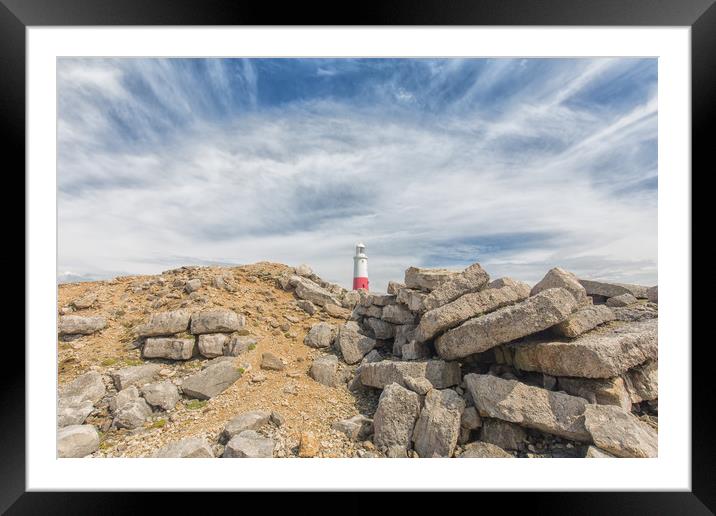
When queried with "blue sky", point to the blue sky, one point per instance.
{"points": [[520, 164]]}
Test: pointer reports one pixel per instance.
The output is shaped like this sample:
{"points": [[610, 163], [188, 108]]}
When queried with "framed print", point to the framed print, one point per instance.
{"points": [[350, 245]]}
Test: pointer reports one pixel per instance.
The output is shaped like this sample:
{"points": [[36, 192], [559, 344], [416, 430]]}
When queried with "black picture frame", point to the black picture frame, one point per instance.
{"points": [[17, 15]]}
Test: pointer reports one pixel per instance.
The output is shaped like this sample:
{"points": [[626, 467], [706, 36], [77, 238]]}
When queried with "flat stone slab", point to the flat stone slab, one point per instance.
{"points": [[77, 441], [426, 279], [472, 279], [352, 344], [169, 348], [559, 277], [583, 320], [189, 448], [252, 420], [437, 429], [250, 445], [601, 391], [135, 375], [620, 433], [441, 374], [482, 450], [88, 386], [603, 353], [552, 412], [79, 325], [216, 320], [310, 291], [164, 323], [532, 315], [607, 289], [212, 380]]}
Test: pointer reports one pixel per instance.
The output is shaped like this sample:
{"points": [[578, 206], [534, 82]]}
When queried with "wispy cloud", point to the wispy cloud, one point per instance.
{"points": [[518, 164]]}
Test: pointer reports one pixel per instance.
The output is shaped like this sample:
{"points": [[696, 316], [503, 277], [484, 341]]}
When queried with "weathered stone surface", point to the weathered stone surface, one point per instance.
{"points": [[85, 301], [135, 375], [504, 282], [532, 407], [534, 314], [398, 314], [642, 381], [216, 320], [79, 325], [189, 448], [441, 374], [621, 300], [352, 345], [395, 417], [412, 298], [211, 345], [321, 335], [356, 428], [168, 347], [595, 453], [427, 279], [271, 362], [605, 289], [601, 353], [324, 370], [403, 334], [304, 270], [211, 381], [192, 285], [470, 419], [252, 420], [438, 320], [381, 329], [249, 444], [419, 385], [602, 391], [88, 386], [472, 279], [482, 450], [77, 441], [163, 395], [372, 311], [308, 445], [336, 311], [652, 294], [394, 287], [557, 278], [415, 350], [506, 435], [438, 426], [129, 409], [350, 299], [306, 306], [239, 344], [164, 323], [618, 432], [73, 411], [583, 320], [310, 291], [636, 312], [380, 299]]}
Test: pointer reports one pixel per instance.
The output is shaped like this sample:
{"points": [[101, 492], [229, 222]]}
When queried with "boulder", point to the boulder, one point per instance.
{"points": [[192, 285], [216, 320], [412, 298], [306, 306], [504, 282], [621, 300], [605, 289], [239, 344], [188, 448], [448, 316], [350, 299], [583, 320], [212, 380], [472, 279], [169, 348], [135, 375], [211, 345], [438, 426], [85, 301], [415, 350], [321, 335], [304, 270], [642, 381], [324, 370], [357, 428], [336, 311], [164, 323], [552, 412], [403, 334], [380, 299], [79, 325], [129, 409], [559, 278], [601, 353], [618, 432], [652, 294], [481, 450], [470, 419], [308, 445], [636, 312], [77, 441], [427, 279], [271, 362], [163, 395], [73, 411], [249, 444], [394, 287], [602, 391], [418, 385], [381, 329], [393, 422], [506, 435], [87, 387], [532, 315], [310, 291], [439, 373], [252, 420], [398, 314], [352, 345]]}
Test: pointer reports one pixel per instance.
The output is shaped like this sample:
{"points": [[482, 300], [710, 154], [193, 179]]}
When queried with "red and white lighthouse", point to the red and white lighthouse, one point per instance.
{"points": [[360, 268]]}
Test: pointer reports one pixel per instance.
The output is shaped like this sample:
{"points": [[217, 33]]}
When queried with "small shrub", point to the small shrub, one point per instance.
{"points": [[109, 362], [195, 404], [241, 370], [252, 347], [159, 423], [132, 362]]}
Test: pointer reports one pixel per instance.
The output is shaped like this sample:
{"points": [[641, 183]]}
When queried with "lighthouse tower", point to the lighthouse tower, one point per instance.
{"points": [[360, 268]]}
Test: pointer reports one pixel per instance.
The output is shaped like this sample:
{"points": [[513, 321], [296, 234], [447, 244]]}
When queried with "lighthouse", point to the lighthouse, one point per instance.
{"points": [[360, 268]]}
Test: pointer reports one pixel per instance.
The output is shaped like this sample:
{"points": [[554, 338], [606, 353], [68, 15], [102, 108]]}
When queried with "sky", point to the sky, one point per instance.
{"points": [[518, 164]]}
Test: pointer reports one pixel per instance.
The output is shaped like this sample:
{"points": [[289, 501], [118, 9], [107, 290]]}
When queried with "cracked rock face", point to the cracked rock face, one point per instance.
{"points": [[79, 325], [620, 433], [438, 427], [395, 418]]}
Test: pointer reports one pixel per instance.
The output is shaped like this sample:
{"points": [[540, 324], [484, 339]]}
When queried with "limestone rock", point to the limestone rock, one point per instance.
{"points": [[403, 334], [310, 291], [558, 277], [415, 350], [164, 323], [239, 344], [336, 311], [85, 301], [605, 289], [380, 299], [249, 444], [394, 287], [595, 453], [606, 391], [212, 380], [426, 279], [252, 420], [168, 347], [321, 335], [324, 370], [306, 306], [188, 448], [482, 450], [470, 419], [642, 381], [583, 320], [438, 426], [130, 410], [73, 411], [357, 428], [216, 320], [419, 385], [621, 300], [79, 325], [506, 435], [352, 345], [308, 445], [398, 314], [652, 294], [439, 373], [163, 395], [271, 362], [381, 329], [77, 441], [192, 285], [393, 422], [87, 387], [618, 432], [472, 279], [135, 375], [412, 298], [636, 312], [304, 270], [211, 345]]}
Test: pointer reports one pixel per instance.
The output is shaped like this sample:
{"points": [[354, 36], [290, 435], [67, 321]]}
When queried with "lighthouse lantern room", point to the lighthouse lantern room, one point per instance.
{"points": [[360, 268]]}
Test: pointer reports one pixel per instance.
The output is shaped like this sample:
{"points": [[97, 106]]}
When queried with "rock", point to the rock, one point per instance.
{"points": [[481, 450], [621, 300], [163, 395], [504, 434], [438, 426], [403, 334], [192, 285], [352, 345], [239, 344], [350, 299], [552, 412], [164, 323], [607, 391], [309, 445], [324, 370], [394, 287], [216, 320], [439, 373], [395, 417], [413, 299], [470, 419], [130, 411], [504, 282], [87, 387], [277, 419], [380, 299], [636, 312], [415, 350], [304, 270], [271, 362], [381, 329], [418, 385], [604, 289], [559, 278], [448, 316], [252, 420], [595, 453], [652, 294], [642, 382], [249, 444], [212, 380], [583, 320], [398, 314], [598, 354], [168, 347], [308, 290], [306, 306], [336, 311], [73, 411], [79, 325], [534, 314], [376, 312], [85, 301], [135, 375], [357, 428], [427, 279], [472, 279], [211, 345], [321, 335], [77, 441], [618, 432], [188, 448]]}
